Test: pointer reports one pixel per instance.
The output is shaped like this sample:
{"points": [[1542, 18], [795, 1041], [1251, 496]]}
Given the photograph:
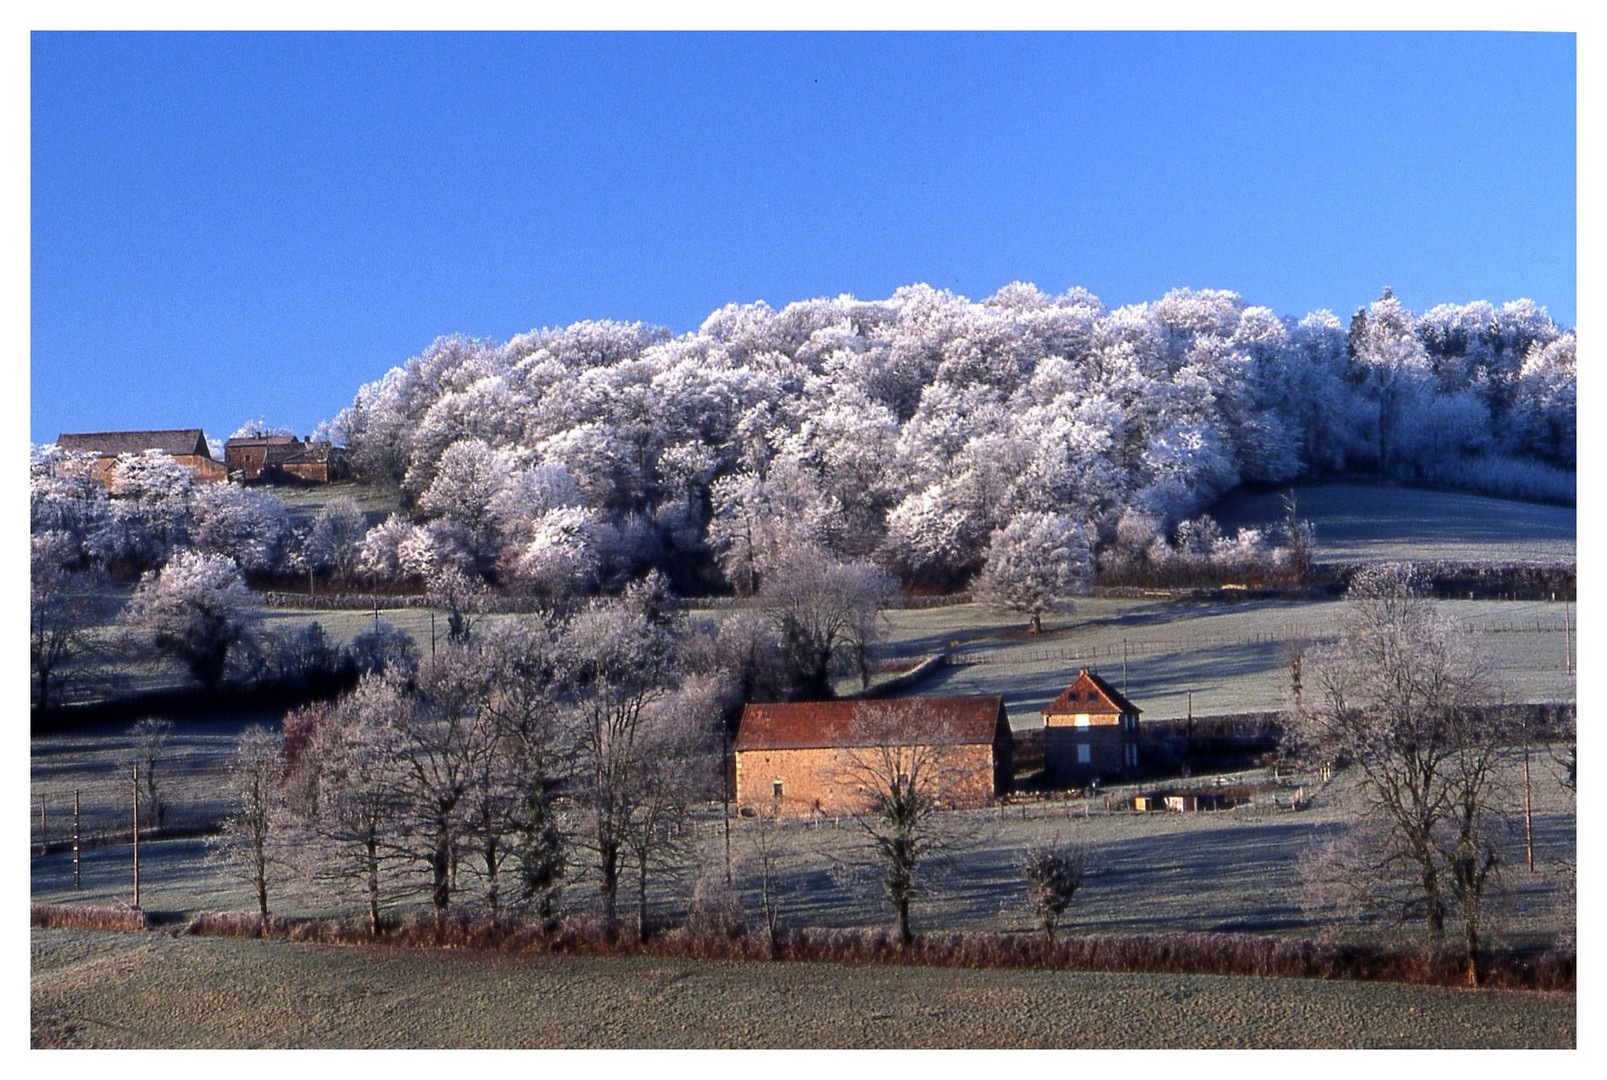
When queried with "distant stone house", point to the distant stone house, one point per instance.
{"points": [[187, 446], [282, 457], [825, 756], [1090, 733]]}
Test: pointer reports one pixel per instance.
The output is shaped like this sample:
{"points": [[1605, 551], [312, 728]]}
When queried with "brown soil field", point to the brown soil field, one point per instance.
{"points": [[98, 989]]}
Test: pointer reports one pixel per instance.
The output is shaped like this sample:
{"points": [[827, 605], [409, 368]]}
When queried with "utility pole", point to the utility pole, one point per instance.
{"points": [[1528, 810], [136, 837], [726, 769], [77, 882], [1124, 667], [1567, 637]]}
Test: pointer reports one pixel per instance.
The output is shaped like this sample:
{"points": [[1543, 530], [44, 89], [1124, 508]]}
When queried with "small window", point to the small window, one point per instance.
{"points": [[776, 789], [1085, 754]]}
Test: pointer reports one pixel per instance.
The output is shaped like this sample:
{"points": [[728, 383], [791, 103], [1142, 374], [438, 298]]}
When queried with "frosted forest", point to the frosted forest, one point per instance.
{"points": [[920, 438]]}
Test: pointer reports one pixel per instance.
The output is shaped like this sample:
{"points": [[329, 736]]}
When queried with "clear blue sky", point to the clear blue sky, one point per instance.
{"points": [[243, 225]]}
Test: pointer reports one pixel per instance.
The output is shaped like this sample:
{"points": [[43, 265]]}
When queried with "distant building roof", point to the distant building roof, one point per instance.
{"points": [[258, 440], [1090, 694], [801, 725], [176, 441]]}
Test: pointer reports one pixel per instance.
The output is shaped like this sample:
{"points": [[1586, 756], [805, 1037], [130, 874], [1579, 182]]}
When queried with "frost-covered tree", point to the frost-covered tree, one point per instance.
{"points": [[196, 609], [565, 553], [333, 544], [1399, 699], [1394, 371], [467, 481], [64, 497], [250, 527], [1034, 563], [150, 512], [341, 804]]}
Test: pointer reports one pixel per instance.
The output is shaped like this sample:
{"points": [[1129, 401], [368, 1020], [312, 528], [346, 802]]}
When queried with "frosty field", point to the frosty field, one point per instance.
{"points": [[151, 990]]}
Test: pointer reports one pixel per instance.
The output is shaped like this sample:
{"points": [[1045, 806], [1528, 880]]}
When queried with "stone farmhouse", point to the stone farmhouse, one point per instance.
{"points": [[187, 446], [1090, 733], [828, 757], [282, 458]]}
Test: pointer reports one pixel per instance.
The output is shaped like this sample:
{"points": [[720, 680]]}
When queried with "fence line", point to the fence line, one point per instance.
{"points": [[1140, 647]]}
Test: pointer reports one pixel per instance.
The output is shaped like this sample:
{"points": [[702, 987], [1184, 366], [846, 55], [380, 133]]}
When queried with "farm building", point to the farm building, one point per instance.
{"points": [[827, 756], [282, 457], [1090, 732], [187, 446]]}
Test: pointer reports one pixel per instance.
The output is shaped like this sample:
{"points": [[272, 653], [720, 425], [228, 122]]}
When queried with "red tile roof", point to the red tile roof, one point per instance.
{"points": [[800, 725], [1090, 694]]}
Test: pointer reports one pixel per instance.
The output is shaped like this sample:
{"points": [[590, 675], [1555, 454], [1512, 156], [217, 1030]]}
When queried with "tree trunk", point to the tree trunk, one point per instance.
{"points": [[641, 896], [373, 887], [491, 876], [610, 888], [441, 886], [1435, 906]]}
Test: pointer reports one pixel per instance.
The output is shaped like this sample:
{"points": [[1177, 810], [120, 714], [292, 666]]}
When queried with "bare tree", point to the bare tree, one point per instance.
{"points": [[655, 829], [248, 840], [1400, 701], [1054, 875], [766, 842], [148, 743], [1301, 537], [445, 747], [825, 613], [341, 794], [619, 664], [908, 764], [511, 814], [64, 606]]}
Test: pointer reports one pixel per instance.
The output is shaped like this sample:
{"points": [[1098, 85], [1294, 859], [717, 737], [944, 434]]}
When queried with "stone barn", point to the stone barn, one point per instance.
{"points": [[187, 446], [1090, 733], [827, 757]]}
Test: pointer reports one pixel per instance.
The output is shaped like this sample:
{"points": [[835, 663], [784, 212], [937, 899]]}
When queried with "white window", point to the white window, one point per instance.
{"points": [[1081, 719], [1085, 753]]}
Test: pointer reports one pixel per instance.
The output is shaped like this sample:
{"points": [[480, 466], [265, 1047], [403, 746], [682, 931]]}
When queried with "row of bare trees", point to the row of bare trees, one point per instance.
{"points": [[536, 746]]}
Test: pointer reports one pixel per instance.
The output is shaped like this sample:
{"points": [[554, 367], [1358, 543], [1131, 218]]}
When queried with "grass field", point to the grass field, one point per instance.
{"points": [[94, 989], [1229, 653], [375, 500], [1363, 523]]}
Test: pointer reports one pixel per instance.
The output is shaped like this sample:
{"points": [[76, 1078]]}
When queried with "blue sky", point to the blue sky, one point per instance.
{"points": [[243, 225]]}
